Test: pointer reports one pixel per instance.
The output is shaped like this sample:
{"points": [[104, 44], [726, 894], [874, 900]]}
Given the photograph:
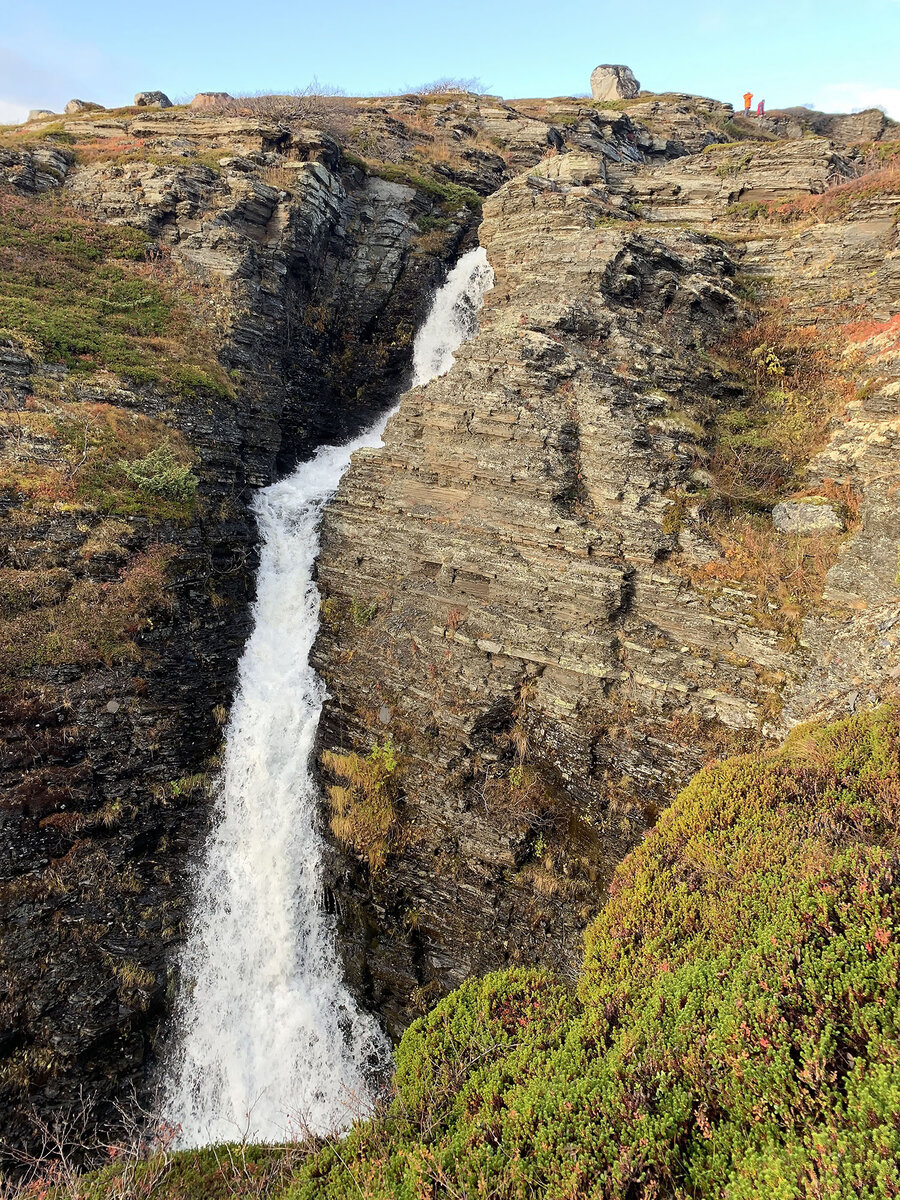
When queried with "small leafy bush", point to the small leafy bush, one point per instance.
{"points": [[160, 473], [362, 613]]}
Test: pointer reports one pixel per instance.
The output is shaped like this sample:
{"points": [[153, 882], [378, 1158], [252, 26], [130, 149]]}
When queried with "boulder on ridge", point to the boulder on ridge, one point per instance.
{"points": [[209, 99], [79, 106], [152, 100], [612, 81]]}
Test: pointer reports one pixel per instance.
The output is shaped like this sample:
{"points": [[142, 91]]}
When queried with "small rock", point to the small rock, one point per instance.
{"points": [[384, 715], [113, 706], [152, 100], [80, 106], [39, 114], [812, 515], [210, 100], [236, 164], [613, 82]]}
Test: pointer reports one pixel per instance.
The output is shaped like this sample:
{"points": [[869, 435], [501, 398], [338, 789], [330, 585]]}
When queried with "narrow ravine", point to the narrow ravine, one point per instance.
{"points": [[270, 1042]]}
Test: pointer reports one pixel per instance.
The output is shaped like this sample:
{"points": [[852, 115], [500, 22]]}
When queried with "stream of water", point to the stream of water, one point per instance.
{"points": [[271, 1043]]}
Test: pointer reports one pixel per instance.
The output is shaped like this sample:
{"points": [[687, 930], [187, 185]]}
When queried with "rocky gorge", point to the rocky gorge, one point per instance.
{"points": [[556, 593]]}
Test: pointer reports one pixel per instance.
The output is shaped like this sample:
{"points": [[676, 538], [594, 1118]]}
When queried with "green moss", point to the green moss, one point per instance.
{"points": [[76, 289], [448, 193]]}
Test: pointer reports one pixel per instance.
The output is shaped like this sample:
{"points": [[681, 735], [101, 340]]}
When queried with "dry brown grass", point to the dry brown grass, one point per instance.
{"points": [[92, 623], [798, 378], [363, 811], [835, 202], [780, 568]]}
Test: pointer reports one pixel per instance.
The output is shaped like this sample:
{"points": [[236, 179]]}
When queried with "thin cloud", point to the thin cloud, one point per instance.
{"points": [[12, 114], [851, 97]]}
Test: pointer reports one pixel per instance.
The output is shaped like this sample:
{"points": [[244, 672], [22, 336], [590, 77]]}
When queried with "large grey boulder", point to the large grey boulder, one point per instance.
{"points": [[152, 100], [40, 114], [84, 106], [809, 515], [79, 106], [210, 100], [612, 81]]}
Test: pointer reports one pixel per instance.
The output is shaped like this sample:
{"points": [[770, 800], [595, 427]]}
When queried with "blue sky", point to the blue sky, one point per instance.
{"points": [[835, 55]]}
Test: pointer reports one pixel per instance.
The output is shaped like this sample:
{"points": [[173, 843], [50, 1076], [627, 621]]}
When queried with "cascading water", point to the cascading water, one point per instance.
{"points": [[270, 1040]]}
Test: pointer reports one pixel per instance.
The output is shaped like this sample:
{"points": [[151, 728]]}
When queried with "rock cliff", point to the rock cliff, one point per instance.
{"points": [[574, 591], [125, 598], [557, 591]]}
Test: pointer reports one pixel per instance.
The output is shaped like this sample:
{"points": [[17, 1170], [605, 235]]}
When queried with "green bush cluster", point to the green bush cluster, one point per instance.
{"points": [[74, 288], [736, 1030], [160, 473]]}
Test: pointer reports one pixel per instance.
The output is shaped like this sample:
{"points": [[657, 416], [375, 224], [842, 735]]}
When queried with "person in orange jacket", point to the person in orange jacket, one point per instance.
{"points": [[748, 98]]}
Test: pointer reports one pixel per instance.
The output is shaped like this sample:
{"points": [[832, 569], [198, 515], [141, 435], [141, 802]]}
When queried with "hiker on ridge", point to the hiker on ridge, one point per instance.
{"points": [[748, 97]]}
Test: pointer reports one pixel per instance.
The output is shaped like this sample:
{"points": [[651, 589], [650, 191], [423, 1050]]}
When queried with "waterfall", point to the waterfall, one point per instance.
{"points": [[270, 1043]]}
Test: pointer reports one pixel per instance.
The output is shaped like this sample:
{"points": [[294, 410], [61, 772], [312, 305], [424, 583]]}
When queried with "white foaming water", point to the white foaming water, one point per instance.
{"points": [[271, 1042]]}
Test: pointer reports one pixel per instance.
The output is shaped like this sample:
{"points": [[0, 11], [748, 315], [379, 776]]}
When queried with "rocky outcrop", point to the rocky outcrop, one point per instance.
{"points": [[209, 100], [152, 100], [82, 106], [609, 82], [844, 129], [552, 621], [39, 170], [529, 641]]}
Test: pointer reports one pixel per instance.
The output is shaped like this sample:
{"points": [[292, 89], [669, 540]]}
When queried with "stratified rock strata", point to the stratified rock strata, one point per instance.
{"points": [[559, 640]]}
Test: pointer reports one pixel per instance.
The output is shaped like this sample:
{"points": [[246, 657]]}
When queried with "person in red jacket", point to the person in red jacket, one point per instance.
{"points": [[761, 108], [748, 97]]}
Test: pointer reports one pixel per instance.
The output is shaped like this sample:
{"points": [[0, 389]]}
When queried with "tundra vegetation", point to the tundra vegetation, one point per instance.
{"points": [[735, 1030]]}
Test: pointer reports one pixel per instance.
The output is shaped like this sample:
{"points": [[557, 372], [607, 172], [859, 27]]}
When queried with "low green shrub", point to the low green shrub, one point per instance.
{"points": [[81, 291], [161, 473], [736, 1030]]}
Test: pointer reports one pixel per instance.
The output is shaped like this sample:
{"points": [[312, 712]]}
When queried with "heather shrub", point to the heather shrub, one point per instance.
{"points": [[736, 1029], [85, 295], [735, 1032]]}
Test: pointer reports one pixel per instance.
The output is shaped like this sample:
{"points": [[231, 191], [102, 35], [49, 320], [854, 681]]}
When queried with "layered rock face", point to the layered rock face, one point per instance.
{"points": [[555, 636], [525, 592], [311, 273], [311, 291]]}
